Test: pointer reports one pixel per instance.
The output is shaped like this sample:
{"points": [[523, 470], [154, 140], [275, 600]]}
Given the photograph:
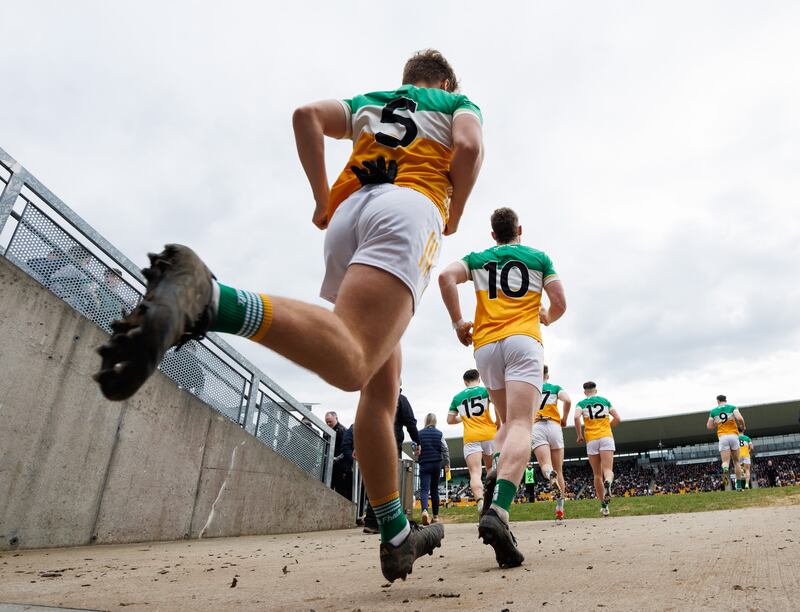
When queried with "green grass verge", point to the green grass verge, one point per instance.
{"points": [[638, 506]]}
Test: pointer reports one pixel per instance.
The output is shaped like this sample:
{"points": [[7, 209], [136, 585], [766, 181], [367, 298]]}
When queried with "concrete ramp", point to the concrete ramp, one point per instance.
{"points": [[77, 469]]}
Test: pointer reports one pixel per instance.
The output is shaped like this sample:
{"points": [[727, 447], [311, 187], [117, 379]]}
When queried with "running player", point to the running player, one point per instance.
{"points": [[745, 457], [729, 422], [548, 439], [417, 152], [509, 279], [599, 416], [471, 408]]}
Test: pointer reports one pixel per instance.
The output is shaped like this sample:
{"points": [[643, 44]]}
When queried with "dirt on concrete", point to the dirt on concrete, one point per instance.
{"points": [[739, 559]]}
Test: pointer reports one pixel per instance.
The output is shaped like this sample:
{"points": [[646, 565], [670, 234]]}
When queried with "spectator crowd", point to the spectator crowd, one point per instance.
{"points": [[633, 480]]}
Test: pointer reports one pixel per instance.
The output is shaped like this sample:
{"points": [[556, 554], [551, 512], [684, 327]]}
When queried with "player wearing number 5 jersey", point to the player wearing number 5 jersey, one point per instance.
{"points": [[417, 152], [728, 422], [471, 408], [548, 438], [509, 279], [598, 418]]}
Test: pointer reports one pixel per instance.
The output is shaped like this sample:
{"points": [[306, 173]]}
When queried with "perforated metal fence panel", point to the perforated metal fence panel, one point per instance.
{"points": [[47, 240]]}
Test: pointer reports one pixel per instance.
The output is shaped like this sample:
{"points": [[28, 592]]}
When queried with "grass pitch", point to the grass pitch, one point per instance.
{"points": [[638, 506]]}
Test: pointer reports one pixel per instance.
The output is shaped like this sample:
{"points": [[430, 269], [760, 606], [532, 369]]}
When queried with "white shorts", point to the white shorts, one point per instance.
{"points": [[593, 447], [729, 442], [547, 432], [393, 228], [513, 358], [486, 447], [744, 460]]}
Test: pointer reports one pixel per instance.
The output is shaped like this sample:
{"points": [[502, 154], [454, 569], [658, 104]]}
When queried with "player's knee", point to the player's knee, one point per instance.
{"points": [[352, 377]]}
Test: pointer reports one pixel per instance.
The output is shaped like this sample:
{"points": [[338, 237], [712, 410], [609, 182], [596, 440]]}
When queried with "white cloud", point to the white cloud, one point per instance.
{"points": [[651, 151]]}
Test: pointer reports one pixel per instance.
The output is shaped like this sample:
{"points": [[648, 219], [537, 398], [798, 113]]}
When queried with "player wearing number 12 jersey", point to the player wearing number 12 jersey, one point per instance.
{"points": [[598, 418], [728, 422], [509, 280], [471, 408], [417, 152]]}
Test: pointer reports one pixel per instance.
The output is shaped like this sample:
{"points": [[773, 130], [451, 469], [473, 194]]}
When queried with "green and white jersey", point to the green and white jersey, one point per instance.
{"points": [[549, 406], [509, 280], [725, 420], [472, 405], [596, 417]]}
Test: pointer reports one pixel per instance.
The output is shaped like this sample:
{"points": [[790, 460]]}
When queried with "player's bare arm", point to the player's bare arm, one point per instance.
{"points": [[578, 427], [449, 279], [616, 420], [566, 402], [558, 303], [465, 165], [739, 419], [453, 418], [710, 424], [312, 123]]}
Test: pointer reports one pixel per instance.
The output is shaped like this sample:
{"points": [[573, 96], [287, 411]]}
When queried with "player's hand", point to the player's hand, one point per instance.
{"points": [[563, 423], [544, 316], [580, 439], [464, 333], [320, 218], [376, 172], [537, 417]]}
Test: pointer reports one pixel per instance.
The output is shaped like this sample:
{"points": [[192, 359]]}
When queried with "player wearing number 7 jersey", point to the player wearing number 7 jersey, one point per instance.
{"points": [[728, 422], [548, 438], [417, 152], [509, 279], [470, 407], [598, 418]]}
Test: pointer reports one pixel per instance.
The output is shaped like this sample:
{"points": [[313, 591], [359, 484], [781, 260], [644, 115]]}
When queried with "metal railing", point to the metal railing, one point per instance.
{"points": [[46, 239]]}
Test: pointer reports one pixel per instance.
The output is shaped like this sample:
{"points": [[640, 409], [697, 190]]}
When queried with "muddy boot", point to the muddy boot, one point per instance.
{"points": [[396, 561], [177, 307], [494, 532]]}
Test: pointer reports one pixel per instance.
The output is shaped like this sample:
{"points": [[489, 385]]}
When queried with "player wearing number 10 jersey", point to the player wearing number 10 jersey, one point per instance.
{"points": [[598, 419], [509, 279], [471, 408]]}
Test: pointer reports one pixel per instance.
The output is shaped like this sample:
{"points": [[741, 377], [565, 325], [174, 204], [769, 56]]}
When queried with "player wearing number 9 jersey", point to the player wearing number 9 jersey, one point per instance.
{"points": [[598, 418], [728, 422], [470, 407], [509, 280]]}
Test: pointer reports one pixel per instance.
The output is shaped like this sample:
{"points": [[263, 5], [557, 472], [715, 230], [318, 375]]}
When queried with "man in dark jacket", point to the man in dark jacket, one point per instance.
{"points": [[772, 474], [404, 417], [338, 477]]}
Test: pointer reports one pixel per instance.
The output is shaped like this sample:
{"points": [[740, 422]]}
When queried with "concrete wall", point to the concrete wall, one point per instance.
{"points": [[77, 469]]}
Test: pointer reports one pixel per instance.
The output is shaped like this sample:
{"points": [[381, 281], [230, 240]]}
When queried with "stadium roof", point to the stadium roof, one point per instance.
{"points": [[643, 435]]}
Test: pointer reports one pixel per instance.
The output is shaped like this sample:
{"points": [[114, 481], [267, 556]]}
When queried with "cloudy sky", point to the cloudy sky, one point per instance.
{"points": [[652, 151]]}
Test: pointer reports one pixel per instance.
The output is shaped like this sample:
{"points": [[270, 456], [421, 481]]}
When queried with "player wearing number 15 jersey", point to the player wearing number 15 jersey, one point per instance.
{"points": [[728, 422], [509, 280], [598, 418], [471, 408]]}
